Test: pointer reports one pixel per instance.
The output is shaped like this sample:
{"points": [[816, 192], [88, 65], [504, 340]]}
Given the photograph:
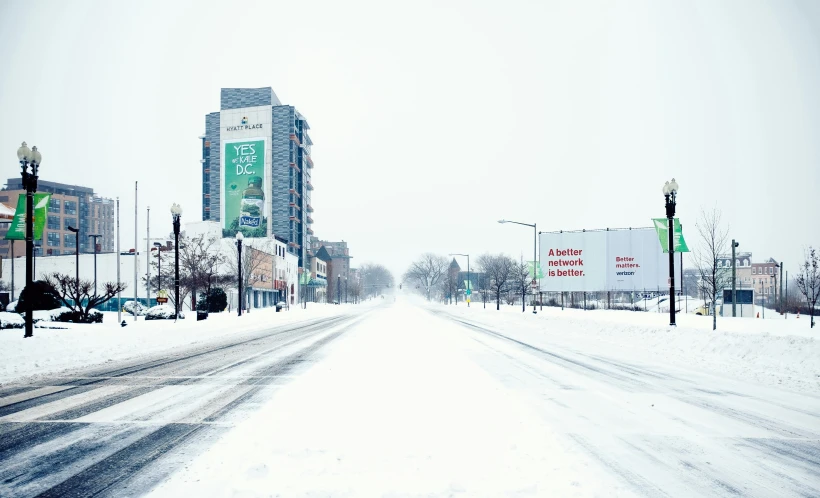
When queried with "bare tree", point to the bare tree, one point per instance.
{"points": [[374, 278], [520, 281], [73, 296], [200, 259], [449, 286], [253, 261], [808, 281], [499, 270], [714, 241], [427, 271]]}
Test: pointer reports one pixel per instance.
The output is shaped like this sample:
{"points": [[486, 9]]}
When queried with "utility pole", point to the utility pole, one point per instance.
{"points": [[734, 280], [119, 297], [148, 257], [781, 287], [136, 251]]}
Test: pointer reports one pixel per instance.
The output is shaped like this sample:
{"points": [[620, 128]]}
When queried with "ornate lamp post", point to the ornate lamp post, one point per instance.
{"points": [[29, 158], [239, 238], [670, 192], [176, 213]]}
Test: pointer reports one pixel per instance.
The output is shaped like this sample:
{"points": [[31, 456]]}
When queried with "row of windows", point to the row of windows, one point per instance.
{"points": [[762, 271]]}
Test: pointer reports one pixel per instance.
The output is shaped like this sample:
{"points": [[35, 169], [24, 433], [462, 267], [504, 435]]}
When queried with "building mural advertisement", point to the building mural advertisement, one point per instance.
{"points": [[243, 197], [602, 260]]}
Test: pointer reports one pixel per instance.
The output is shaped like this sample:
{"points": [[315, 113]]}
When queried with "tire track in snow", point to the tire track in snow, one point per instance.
{"points": [[94, 466]]}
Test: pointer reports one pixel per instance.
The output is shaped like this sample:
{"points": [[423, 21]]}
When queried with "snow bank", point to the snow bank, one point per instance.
{"points": [[11, 320], [77, 345], [784, 352]]}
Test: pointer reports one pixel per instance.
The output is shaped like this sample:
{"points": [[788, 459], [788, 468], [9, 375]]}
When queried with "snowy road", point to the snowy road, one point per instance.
{"points": [[663, 431], [408, 400], [115, 431]]}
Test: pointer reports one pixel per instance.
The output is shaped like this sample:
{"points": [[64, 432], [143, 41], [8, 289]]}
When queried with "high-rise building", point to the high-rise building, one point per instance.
{"points": [[70, 205], [256, 168]]}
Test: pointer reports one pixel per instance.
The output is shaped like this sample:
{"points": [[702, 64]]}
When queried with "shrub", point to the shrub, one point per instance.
{"points": [[67, 315], [128, 307], [218, 301], [43, 297]]}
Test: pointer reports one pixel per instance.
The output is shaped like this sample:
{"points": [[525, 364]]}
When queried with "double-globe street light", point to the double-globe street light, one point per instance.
{"points": [[534, 251], [468, 291], [239, 238], [29, 158], [176, 213], [670, 193]]}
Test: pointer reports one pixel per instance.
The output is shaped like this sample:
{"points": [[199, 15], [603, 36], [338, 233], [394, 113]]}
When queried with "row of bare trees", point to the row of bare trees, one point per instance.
{"points": [[499, 274], [713, 245], [204, 264]]}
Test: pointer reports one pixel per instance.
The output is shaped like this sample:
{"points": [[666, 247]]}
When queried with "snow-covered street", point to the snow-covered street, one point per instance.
{"points": [[412, 399]]}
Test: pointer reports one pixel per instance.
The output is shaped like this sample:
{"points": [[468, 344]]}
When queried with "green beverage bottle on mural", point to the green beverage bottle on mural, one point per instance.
{"points": [[253, 204]]}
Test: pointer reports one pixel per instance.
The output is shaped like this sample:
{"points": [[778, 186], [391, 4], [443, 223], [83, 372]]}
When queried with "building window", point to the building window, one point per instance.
{"points": [[54, 205], [53, 238], [754, 271], [4, 198], [53, 222], [70, 207], [770, 270], [69, 240], [69, 222]]}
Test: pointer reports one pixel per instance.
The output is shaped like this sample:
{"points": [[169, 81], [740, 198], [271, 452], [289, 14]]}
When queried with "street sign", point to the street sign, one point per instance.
{"points": [[534, 284], [469, 292], [162, 300], [162, 296]]}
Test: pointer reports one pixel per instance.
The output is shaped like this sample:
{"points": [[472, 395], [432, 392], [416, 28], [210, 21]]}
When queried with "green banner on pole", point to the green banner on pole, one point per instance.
{"points": [[539, 273], [17, 230], [468, 286], [661, 227]]}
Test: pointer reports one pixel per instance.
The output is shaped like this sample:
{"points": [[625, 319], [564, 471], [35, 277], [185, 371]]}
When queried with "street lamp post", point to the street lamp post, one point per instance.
{"points": [[239, 238], [29, 157], [345, 289], [76, 260], [159, 267], [176, 214], [534, 251], [339, 289], [468, 278], [670, 192], [95, 237]]}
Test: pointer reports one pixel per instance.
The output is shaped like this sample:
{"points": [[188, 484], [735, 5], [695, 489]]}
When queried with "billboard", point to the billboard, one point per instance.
{"points": [[602, 260], [243, 191], [573, 261]]}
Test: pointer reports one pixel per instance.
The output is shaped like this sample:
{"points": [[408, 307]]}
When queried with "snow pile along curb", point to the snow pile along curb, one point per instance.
{"points": [[752, 350]]}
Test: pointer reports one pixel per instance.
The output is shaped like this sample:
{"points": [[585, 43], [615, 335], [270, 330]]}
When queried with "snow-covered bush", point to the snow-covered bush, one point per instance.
{"points": [[129, 306], [11, 320], [162, 312], [67, 315], [12, 307]]}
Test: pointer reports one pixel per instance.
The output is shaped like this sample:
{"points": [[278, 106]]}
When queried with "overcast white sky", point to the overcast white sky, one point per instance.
{"points": [[433, 119]]}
